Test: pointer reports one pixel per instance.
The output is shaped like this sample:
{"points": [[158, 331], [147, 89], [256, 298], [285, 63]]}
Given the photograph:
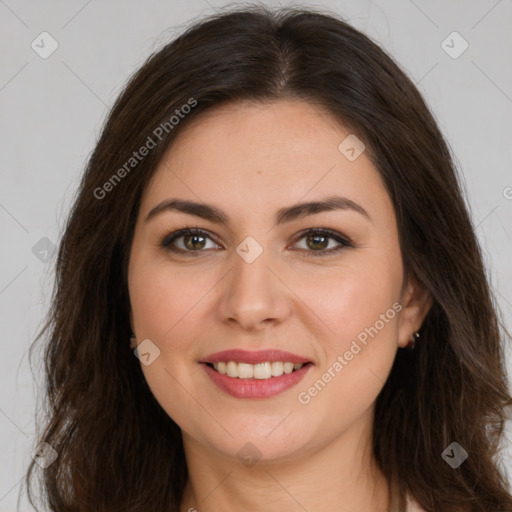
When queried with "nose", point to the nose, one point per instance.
{"points": [[254, 295]]}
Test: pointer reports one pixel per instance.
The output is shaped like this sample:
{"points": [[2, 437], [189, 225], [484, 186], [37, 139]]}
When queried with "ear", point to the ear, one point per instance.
{"points": [[416, 302]]}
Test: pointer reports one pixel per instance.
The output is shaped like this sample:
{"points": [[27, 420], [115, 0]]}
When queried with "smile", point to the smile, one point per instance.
{"points": [[255, 374], [266, 370]]}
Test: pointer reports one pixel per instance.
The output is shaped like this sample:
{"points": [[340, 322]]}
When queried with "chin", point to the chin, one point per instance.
{"points": [[265, 440]]}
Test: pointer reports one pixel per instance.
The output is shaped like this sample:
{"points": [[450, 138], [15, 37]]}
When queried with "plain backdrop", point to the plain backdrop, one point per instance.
{"points": [[53, 107]]}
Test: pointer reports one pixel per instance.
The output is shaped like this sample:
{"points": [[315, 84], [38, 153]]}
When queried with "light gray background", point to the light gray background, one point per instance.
{"points": [[52, 111]]}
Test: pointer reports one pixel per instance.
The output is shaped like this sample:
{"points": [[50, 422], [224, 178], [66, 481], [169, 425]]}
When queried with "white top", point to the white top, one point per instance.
{"points": [[412, 506]]}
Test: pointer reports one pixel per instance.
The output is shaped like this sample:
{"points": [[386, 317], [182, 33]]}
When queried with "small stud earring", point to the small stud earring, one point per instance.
{"points": [[412, 344]]}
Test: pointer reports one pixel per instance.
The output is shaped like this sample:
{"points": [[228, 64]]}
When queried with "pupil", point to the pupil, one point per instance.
{"points": [[188, 238], [316, 237]]}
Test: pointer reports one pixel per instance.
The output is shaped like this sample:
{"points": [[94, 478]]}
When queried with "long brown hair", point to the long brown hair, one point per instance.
{"points": [[117, 449]]}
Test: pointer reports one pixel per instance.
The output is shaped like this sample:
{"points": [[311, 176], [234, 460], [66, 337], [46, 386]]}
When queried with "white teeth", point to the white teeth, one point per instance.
{"points": [[276, 368], [245, 371], [288, 367], [260, 371], [232, 369]]}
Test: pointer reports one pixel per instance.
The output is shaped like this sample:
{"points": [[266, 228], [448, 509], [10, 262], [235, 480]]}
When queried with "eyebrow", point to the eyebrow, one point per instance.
{"points": [[282, 216]]}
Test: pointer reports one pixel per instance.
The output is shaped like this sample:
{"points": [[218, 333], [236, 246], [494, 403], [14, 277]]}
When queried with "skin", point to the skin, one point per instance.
{"points": [[250, 160]]}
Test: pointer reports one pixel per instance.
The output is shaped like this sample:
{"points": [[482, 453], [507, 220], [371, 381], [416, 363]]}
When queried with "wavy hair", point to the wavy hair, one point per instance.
{"points": [[117, 448]]}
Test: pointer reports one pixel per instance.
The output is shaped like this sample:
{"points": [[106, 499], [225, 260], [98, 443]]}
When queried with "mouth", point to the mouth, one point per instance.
{"points": [[260, 371], [257, 375]]}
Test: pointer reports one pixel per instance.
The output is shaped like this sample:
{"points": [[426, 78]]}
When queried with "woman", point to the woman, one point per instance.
{"points": [[272, 224]]}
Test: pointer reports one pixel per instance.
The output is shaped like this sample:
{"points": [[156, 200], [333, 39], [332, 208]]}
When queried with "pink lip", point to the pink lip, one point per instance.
{"points": [[261, 356], [256, 388]]}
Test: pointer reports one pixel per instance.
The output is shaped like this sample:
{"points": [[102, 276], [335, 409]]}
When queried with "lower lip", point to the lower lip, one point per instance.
{"points": [[256, 388]]}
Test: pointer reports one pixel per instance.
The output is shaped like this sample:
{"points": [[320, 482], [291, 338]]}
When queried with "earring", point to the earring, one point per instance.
{"points": [[133, 341], [412, 344]]}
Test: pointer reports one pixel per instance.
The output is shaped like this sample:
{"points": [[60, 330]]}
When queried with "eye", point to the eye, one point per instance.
{"points": [[193, 241], [318, 239]]}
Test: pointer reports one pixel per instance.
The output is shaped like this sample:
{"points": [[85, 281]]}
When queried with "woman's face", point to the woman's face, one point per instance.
{"points": [[254, 280]]}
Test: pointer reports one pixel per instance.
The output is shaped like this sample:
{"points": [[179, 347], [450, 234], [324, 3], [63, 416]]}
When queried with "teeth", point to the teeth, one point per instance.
{"points": [[288, 367], [276, 368], [260, 371], [232, 369], [245, 371]]}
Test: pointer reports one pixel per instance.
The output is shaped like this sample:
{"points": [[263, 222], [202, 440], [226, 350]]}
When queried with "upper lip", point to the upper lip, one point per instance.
{"points": [[254, 357]]}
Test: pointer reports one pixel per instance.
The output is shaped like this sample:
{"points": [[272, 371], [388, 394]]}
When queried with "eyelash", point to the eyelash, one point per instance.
{"points": [[344, 242]]}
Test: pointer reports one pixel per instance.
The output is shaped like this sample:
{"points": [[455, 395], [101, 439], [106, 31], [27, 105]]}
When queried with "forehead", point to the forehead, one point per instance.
{"points": [[251, 155]]}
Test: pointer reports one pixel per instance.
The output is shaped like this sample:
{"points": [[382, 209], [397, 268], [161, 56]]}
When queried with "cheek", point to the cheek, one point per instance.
{"points": [[347, 299], [164, 303], [164, 298], [360, 307]]}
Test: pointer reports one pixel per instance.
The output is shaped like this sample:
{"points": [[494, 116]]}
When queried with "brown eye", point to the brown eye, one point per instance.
{"points": [[317, 242], [186, 240], [193, 241]]}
